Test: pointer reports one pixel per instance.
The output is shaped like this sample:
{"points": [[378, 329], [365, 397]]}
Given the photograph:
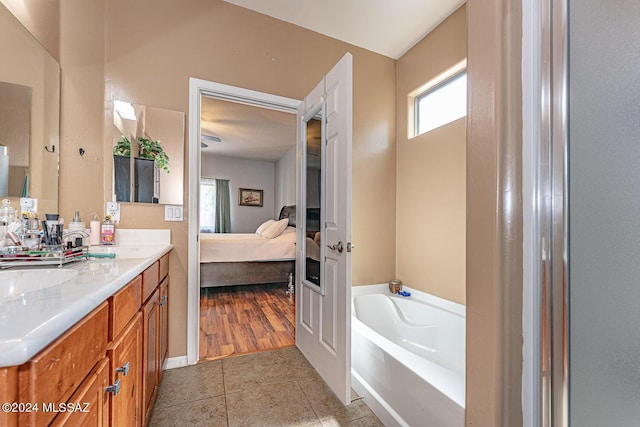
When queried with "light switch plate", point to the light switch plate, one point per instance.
{"points": [[173, 213]]}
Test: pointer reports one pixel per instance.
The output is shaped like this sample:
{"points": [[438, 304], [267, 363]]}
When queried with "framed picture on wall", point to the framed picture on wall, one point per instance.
{"points": [[250, 197]]}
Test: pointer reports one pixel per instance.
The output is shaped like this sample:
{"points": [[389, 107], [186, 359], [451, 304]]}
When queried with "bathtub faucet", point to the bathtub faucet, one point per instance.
{"points": [[395, 286]]}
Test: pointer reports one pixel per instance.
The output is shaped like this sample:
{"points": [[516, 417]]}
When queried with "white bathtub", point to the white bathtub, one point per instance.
{"points": [[408, 356]]}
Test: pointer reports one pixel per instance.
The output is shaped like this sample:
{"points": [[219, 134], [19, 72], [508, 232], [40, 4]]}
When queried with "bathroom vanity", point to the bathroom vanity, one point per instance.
{"points": [[87, 346]]}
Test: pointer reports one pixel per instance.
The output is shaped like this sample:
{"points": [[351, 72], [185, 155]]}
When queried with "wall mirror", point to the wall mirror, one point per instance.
{"points": [[148, 154], [313, 132], [29, 117]]}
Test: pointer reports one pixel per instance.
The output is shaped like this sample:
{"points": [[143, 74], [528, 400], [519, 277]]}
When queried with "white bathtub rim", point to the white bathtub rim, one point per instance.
{"points": [[395, 324], [450, 383], [454, 307]]}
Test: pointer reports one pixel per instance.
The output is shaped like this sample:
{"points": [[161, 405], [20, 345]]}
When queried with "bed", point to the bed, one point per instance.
{"points": [[228, 259]]}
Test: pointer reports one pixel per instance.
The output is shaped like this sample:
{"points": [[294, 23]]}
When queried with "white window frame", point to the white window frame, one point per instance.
{"points": [[431, 86]]}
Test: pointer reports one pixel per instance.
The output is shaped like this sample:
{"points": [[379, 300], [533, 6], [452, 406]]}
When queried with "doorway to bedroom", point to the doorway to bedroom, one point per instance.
{"points": [[247, 246]]}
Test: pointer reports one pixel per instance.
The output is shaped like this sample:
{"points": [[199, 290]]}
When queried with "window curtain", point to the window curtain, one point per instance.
{"points": [[223, 207], [207, 205]]}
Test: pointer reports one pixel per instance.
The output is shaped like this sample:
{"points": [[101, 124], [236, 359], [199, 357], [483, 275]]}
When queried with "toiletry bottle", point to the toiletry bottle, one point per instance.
{"points": [[108, 231], [94, 231]]}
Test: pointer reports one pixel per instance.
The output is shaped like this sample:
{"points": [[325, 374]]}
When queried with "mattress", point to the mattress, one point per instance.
{"points": [[242, 247]]}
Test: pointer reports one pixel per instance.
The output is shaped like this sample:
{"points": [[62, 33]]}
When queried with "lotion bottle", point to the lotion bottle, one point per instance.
{"points": [[94, 231]]}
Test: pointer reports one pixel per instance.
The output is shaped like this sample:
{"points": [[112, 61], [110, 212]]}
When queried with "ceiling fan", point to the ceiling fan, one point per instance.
{"points": [[208, 138]]}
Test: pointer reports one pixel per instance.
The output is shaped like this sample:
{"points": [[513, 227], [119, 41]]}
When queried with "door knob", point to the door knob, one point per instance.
{"points": [[339, 247]]}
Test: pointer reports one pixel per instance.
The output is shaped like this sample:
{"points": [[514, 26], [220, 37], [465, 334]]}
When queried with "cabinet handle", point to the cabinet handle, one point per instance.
{"points": [[164, 298], [160, 303], [113, 388], [124, 369]]}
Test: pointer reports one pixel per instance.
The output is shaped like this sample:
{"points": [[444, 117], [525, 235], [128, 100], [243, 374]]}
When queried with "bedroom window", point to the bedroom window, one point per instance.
{"points": [[440, 101], [207, 205]]}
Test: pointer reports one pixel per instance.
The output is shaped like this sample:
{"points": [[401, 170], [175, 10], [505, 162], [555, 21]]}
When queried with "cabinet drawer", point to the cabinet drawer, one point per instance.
{"points": [[150, 280], [123, 306], [57, 371], [164, 267]]}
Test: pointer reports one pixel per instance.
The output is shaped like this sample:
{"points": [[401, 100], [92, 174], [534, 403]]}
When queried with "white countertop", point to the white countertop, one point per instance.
{"points": [[30, 323]]}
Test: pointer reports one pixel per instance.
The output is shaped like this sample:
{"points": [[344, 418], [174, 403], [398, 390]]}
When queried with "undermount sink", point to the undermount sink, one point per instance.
{"points": [[14, 283], [143, 251]]}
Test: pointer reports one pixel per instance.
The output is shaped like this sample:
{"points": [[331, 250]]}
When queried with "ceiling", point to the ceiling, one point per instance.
{"points": [[386, 27], [389, 28], [246, 131]]}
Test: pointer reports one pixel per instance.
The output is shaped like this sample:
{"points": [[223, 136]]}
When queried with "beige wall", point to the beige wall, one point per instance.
{"points": [[30, 65], [431, 173], [261, 59], [148, 58], [494, 214], [41, 18]]}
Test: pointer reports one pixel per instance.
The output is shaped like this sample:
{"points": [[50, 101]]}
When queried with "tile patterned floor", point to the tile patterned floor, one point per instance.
{"points": [[271, 388]]}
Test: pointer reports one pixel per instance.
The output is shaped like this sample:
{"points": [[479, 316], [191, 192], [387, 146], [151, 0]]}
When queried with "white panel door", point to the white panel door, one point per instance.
{"points": [[323, 310]]}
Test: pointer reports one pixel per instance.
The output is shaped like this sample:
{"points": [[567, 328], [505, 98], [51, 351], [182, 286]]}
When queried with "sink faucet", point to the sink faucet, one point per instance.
{"points": [[71, 233], [78, 234]]}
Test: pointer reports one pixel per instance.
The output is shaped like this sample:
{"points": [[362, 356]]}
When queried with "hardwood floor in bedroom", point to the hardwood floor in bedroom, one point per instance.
{"points": [[245, 319]]}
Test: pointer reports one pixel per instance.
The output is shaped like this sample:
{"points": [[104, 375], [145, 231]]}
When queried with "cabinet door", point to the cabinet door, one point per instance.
{"points": [[164, 325], [125, 355], [151, 352], [54, 374], [9, 393], [89, 405]]}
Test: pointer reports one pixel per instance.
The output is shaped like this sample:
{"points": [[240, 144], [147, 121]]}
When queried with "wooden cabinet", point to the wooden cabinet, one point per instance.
{"points": [[55, 373], [164, 325], [150, 352], [120, 346], [9, 393], [150, 280], [125, 369], [155, 312], [123, 305], [89, 405], [125, 354]]}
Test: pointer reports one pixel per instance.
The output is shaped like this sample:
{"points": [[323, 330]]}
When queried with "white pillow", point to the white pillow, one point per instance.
{"points": [[264, 226], [275, 229]]}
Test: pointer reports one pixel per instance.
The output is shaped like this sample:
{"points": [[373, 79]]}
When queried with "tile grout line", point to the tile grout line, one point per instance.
{"points": [[308, 401], [224, 388]]}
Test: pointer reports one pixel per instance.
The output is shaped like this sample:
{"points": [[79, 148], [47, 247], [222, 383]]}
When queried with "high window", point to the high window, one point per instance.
{"points": [[443, 101]]}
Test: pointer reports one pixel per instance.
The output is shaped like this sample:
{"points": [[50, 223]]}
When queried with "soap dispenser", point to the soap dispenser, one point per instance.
{"points": [[76, 224]]}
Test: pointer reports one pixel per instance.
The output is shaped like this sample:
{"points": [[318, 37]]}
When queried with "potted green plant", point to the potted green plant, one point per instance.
{"points": [[122, 147], [153, 150]]}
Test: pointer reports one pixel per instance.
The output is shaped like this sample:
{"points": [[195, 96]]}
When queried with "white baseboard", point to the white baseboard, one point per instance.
{"points": [[175, 362]]}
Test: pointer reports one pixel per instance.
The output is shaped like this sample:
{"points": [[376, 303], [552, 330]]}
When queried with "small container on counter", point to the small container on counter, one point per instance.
{"points": [[94, 231], [108, 232]]}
